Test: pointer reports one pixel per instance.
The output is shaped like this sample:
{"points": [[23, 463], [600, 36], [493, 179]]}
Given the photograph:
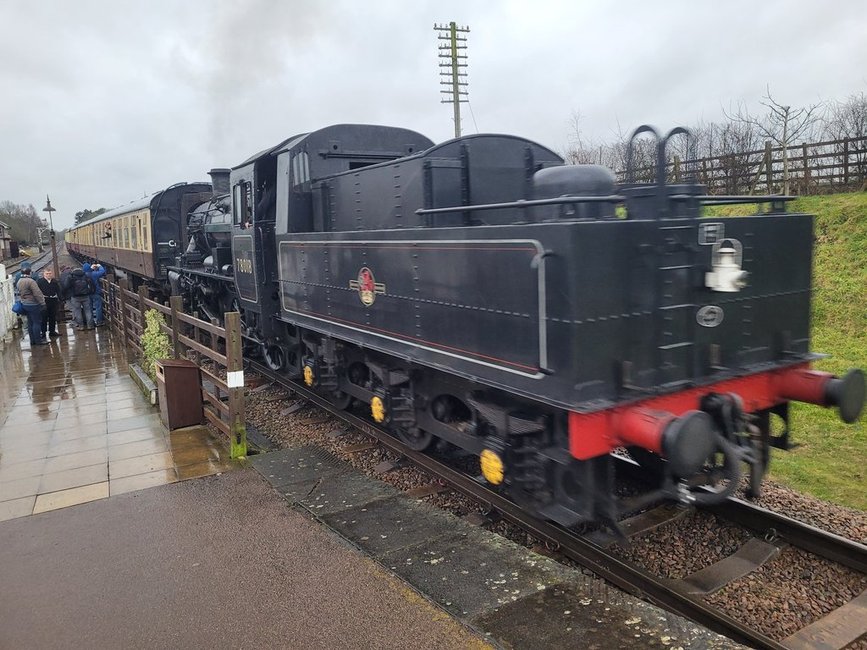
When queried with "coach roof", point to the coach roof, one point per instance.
{"points": [[132, 206]]}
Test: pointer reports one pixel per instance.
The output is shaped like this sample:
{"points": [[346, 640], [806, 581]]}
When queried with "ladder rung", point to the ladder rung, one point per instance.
{"points": [[680, 306], [672, 346]]}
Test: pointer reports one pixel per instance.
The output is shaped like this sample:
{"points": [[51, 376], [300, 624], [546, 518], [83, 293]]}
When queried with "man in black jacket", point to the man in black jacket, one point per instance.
{"points": [[78, 288], [51, 291]]}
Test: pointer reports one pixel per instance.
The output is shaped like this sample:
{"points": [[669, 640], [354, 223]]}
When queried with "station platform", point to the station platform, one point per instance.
{"points": [[115, 533], [89, 558]]}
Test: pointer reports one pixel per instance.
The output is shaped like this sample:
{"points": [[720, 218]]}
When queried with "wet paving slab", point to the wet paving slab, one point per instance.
{"points": [[75, 428], [220, 562], [513, 596]]}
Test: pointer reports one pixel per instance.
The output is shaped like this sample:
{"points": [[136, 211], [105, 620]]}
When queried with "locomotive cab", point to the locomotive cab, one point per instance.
{"points": [[253, 195], [272, 196]]}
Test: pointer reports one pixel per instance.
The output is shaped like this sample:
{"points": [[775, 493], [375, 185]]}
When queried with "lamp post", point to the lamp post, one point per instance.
{"points": [[49, 210]]}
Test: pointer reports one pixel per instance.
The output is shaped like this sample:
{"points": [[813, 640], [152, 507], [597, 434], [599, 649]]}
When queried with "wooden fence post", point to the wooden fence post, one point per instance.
{"points": [[677, 169], [122, 284], [235, 382], [846, 162], [806, 189], [177, 305], [108, 290], [769, 166], [142, 295]]}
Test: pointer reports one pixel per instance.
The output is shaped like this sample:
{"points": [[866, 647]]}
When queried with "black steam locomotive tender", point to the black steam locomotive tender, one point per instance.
{"points": [[480, 294]]}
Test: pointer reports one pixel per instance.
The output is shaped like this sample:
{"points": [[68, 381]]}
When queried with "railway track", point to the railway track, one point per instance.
{"points": [[37, 262], [770, 533]]}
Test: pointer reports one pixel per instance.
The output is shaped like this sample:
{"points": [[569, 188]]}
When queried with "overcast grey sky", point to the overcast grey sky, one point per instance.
{"points": [[104, 100]]}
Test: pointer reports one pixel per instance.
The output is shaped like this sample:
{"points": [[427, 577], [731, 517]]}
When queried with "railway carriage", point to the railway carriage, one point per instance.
{"points": [[141, 238]]}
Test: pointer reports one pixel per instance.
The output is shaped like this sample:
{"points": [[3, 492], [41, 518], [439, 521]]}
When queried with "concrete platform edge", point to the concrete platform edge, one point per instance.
{"points": [[544, 616]]}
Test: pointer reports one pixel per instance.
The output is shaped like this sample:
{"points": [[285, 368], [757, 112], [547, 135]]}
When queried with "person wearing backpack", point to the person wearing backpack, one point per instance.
{"points": [[79, 289], [95, 272], [15, 278]]}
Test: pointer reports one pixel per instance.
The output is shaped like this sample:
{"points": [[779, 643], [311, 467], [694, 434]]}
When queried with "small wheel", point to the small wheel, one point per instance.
{"points": [[341, 400], [416, 439], [273, 356]]}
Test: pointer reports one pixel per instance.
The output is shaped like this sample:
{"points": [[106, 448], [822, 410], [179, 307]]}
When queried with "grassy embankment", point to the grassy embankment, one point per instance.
{"points": [[831, 461]]}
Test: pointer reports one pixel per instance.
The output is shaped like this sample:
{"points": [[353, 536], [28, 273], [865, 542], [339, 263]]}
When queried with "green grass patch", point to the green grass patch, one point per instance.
{"points": [[831, 462]]}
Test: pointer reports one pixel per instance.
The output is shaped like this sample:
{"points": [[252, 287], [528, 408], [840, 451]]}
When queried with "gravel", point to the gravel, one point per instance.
{"points": [[789, 592]]}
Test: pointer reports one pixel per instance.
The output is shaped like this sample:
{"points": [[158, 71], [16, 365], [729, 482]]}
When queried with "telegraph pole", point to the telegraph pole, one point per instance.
{"points": [[453, 57]]}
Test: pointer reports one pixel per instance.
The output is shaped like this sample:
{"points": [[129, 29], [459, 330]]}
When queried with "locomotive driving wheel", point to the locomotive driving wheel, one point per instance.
{"points": [[341, 400], [415, 438]]}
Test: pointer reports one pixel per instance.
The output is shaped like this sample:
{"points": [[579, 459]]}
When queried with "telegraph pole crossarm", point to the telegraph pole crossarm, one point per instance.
{"points": [[453, 62]]}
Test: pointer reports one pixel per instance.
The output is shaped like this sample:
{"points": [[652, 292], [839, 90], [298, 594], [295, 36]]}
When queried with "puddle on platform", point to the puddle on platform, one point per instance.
{"points": [[74, 428]]}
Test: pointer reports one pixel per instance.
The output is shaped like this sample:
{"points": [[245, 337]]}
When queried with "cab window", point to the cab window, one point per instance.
{"points": [[242, 203]]}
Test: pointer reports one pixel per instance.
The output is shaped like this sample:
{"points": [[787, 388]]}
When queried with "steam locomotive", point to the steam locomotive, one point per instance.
{"points": [[482, 293]]}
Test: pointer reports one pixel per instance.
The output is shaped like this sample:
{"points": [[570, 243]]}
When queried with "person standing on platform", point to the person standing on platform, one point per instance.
{"points": [[79, 289], [34, 305], [95, 272], [65, 295], [51, 290], [24, 265]]}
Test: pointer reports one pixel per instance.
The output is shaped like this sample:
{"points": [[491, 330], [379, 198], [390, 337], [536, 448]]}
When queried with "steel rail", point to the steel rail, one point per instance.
{"points": [[809, 538], [36, 259], [625, 575], [766, 522]]}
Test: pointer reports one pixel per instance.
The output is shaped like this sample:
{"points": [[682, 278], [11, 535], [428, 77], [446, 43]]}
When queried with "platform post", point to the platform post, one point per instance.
{"points": [[235, 382], [177, 305]]}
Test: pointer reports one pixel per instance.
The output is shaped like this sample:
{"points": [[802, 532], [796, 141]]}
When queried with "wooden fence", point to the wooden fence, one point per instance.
{"points": [[194, 339], [813, 168]]}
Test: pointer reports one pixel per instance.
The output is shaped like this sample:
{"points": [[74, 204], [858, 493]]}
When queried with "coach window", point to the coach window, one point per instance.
{"points": [[135, 227]]}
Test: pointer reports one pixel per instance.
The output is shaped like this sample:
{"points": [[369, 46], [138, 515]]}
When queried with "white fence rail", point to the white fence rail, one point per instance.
{"points": [[8, 320]]}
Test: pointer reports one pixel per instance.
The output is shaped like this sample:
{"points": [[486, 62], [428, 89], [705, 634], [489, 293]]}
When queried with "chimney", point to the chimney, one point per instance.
{"points": [[219, 180]]}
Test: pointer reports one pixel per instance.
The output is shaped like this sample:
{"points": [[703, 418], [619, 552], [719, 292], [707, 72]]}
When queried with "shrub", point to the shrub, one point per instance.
{"points": [[155, 344]]}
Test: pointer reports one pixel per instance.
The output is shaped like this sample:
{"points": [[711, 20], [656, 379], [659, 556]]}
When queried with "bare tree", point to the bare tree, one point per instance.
{"points": [[23, 220], [781, 124], [736, 151], [580, 150], [848, 121]]}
